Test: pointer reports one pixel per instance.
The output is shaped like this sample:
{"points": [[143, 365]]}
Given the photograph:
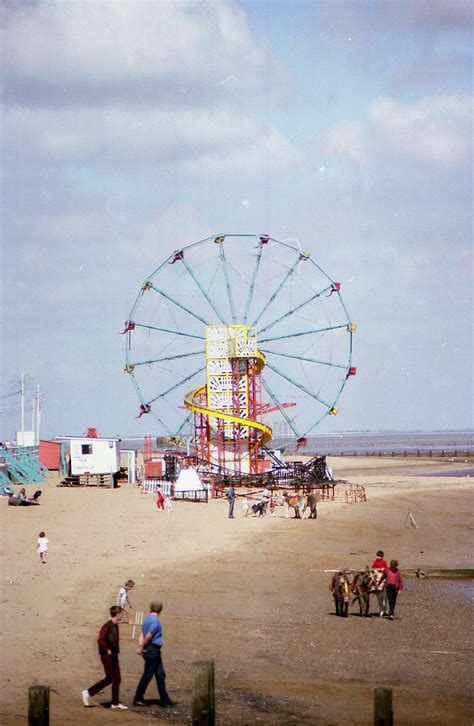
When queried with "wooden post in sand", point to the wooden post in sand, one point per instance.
{"points": [[204, 709], [38, 706], [383, 712]]}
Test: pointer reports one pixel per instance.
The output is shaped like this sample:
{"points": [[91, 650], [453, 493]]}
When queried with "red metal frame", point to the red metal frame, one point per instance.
{"points": [[229, 438]]}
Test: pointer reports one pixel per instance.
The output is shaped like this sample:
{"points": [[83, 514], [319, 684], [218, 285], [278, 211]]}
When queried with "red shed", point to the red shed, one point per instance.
{"points": [[50, 454]]}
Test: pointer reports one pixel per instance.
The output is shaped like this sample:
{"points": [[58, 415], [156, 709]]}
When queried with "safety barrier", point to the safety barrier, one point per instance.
{"points": [[150, 486]]}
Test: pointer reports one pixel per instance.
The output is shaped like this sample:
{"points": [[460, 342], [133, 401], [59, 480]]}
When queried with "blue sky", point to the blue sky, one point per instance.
{"points": [[130, 129]]}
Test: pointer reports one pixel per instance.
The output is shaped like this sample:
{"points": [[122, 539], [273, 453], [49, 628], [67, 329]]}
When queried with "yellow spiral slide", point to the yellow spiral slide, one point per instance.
{"points": [[191, 403]]}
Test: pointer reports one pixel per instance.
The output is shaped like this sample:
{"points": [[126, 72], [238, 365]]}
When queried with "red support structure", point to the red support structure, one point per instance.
{"points": [[147, 452]]}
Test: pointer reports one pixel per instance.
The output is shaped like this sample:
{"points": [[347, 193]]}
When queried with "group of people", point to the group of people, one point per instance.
{"points": [[258, 506], [22, 499], [383, 579], [149, 648], [390, 578]]}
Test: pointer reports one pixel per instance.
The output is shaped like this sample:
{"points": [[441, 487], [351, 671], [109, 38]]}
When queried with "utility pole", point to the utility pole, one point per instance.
{"points": [[38, 414], [33, 411], [22, 394]]}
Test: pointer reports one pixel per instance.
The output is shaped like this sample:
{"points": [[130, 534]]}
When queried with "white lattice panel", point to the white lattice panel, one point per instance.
{"points": [[221, 365], [231, 341], [219, 383], [221, 401], [216, 332], [218, 349], [247, 348]]}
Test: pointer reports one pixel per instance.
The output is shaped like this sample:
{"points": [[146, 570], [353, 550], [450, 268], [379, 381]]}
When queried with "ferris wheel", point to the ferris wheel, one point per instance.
{"points": [[268, 299]]}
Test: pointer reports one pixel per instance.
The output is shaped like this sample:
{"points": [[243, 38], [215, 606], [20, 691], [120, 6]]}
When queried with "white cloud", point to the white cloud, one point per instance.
{"points": [[436, 130], [104, 50], [200, 141], [140, 83]]}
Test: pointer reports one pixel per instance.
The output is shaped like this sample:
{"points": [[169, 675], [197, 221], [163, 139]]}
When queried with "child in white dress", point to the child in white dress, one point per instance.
{"points": [[123, 599], [43, 543]]}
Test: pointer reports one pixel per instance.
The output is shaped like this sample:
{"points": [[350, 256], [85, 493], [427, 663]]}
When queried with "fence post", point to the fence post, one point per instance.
{"points": [[383, 712], [38, 706], [204, 710]]}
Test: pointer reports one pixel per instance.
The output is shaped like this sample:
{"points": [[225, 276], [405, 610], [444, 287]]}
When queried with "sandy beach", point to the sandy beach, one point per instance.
{"points": [[249, 593]]}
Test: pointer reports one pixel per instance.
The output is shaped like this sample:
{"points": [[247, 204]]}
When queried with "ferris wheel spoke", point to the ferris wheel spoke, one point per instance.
{"points": [[226, 277], [252, 283], [309, 360], [276, 292], [177, 303], [298, 385], [293, 310], [277, 403], [184, 423], [175, 386], [304, 332], [313, 425], [200, 286], [165, 358], [167, 330], [143, 402]]}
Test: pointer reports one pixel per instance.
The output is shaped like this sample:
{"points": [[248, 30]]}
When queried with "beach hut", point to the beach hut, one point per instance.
{"points": [[50, 454], [93, 460]]}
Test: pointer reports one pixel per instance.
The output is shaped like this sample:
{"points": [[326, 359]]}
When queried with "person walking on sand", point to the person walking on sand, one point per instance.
{"points": [[149, 646], [123, 600], [160, 500], [231, 499], [43, 543], [393, 585], [109, 649]]}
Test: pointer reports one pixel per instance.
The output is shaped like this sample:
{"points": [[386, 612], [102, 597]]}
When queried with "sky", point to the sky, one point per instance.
{"points": [[130, 129]]}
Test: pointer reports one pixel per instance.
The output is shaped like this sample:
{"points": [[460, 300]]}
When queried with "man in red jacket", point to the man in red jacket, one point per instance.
{"points": [[109, 649]]}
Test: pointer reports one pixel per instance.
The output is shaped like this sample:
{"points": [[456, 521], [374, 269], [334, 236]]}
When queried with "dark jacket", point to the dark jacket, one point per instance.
{"points": [[109, 638]]}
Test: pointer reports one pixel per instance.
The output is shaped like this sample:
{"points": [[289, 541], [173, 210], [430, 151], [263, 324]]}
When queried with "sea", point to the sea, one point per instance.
{"points": [[364, 443], [380, 443]]}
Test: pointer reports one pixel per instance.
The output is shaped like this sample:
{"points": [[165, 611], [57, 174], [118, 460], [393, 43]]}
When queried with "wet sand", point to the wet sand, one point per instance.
{"points": [[251, 594]]}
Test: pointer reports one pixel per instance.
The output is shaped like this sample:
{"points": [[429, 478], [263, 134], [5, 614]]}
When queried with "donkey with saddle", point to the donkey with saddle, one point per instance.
{"points": [[366, 583], [300, 503]]}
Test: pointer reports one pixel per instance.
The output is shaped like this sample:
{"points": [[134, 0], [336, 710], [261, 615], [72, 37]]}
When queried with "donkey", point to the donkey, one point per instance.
{"points": [[295, 501], [340, 587], [312, 504], [364, 585]]}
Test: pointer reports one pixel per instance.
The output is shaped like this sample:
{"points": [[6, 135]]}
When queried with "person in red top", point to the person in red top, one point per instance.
{"points": [[393, 585], [160, 500], [379, 563], [109, 649]]}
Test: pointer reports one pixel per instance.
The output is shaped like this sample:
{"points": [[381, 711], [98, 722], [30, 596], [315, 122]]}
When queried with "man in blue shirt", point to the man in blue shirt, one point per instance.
{"points": [[149, 646]]}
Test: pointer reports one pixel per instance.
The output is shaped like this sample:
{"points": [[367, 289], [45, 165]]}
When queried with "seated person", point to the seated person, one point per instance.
{"points": [[16, 501]]}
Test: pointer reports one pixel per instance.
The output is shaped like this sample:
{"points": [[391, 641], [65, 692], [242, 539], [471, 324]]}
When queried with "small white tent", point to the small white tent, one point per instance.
{"points": [[188, 481], [189, 486]]}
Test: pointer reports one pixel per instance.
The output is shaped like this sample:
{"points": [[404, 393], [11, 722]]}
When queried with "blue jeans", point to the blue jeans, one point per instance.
{"points": [[153, 667]]}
